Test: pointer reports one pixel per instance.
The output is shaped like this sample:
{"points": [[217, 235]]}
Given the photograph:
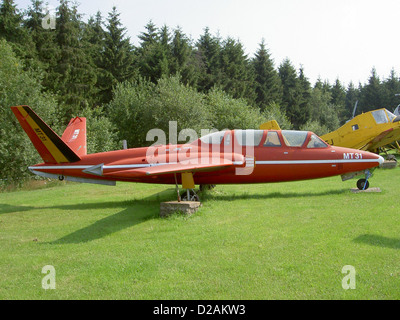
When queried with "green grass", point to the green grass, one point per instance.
{"points": [[266, 241]]}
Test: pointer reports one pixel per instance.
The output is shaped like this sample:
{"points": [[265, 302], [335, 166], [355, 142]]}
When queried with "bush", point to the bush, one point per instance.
{"points": [[226, 112], [100, 131], [140, 106], [274, 112], [19, 87]]}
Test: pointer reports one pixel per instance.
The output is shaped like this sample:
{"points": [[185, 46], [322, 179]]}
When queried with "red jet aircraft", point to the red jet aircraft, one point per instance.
{"points": [[224, 157]]}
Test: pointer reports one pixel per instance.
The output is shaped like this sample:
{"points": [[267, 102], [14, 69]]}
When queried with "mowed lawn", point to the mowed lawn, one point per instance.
{"points": [[266, 241]]}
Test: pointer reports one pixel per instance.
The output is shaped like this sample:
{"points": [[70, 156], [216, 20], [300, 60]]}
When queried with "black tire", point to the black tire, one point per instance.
{"points": [[204, 187], [361, 183], [192, 196]]}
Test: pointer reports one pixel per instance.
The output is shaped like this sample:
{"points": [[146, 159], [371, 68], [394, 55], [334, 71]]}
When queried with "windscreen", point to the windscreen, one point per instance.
{"points": [[213, 138], [380, 116], [316, 142], [249, 138], [294, 138]]}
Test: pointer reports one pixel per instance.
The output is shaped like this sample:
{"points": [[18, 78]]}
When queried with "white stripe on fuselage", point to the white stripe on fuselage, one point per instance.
{"points": [[127, 166], [267, 162], [333, 161]]}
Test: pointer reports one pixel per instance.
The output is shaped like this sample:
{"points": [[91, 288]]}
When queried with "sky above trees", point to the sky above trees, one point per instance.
{"points": [[330, 39]]}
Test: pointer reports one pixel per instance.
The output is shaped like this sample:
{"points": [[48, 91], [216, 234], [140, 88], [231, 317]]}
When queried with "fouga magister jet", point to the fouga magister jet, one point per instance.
{"points": [[223, 157]]}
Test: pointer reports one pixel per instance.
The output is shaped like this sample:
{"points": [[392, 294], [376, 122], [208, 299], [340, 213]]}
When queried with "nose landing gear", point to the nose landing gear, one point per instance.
{"points": [[363, 184]]}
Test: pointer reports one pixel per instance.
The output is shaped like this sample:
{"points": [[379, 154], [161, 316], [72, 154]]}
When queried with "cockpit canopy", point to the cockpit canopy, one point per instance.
{"points": [[383, 116], [268, 138]]}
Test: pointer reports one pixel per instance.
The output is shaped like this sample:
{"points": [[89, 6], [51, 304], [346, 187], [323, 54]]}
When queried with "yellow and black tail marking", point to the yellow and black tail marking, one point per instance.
{"points": [[49, 145]]}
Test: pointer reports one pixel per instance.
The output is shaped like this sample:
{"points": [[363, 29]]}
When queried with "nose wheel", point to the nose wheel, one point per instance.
{"points": [[363, 184]]}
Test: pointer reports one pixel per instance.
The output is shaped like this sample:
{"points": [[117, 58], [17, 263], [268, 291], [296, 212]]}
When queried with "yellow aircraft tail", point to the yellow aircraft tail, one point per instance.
{"points": [[270, 125]]}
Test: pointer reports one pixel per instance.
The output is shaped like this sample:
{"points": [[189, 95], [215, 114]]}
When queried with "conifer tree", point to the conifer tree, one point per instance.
{"points": [[352, 96], [12, 30], [236, 77], [293, 91], [10, 21], [339, 100], [154, 53], [44, 40], [391, 87], [208, 56], [372, 93], [117, 59], [94, 35], [268, 85], [182, 61], [305, 91], [150, 36], [75, 75]]}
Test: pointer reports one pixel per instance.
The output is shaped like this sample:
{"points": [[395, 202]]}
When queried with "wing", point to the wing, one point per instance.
{"points": [[171, 168], [383, 139]]}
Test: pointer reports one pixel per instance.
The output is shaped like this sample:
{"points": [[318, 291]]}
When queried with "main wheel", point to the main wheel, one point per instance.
{"points": [[362, 184], [204, 187], [192, 196]]}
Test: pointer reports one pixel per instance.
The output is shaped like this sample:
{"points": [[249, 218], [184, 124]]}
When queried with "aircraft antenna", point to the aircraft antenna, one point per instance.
{"points": [[355, 108]]}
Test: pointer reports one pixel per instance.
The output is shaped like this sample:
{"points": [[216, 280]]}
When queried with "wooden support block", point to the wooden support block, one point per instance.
{"points": [[366, 191]]}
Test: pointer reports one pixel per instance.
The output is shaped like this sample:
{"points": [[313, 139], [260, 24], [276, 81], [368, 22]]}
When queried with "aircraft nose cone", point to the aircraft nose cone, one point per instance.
{"points": [[381, 161]]}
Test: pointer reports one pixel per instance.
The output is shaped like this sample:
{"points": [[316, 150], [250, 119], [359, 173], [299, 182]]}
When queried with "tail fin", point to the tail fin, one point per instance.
{"points": [[75, 136], [270, 125], [50, 146]]}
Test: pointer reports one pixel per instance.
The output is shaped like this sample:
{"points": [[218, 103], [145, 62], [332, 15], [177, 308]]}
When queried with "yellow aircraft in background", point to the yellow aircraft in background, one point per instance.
{"points": [[369, 131]]}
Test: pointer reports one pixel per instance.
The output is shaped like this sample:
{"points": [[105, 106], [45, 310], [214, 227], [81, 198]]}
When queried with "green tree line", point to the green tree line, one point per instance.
{"points": [[64, 66]]}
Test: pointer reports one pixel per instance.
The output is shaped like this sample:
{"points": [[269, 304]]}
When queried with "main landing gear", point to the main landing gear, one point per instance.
{"points": [[189, 195], [188, 184]]}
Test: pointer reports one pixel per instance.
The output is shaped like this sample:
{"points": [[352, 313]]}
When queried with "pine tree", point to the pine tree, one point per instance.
{"points": [[208, 58], [339, 100], [182, 60], [154, 53], [94, 35], [236, 77], [10, 21], [151, 36], [305, 90], [293, 94], [44, 40], [391, 87], [75, 74], [117, 61], [352, 96], [12, 30], [268, 84], [372, 94]]}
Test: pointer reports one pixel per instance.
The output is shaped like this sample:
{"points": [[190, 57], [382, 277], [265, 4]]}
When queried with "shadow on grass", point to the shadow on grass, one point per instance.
{"points": [[134, 212], [7, 208], [274, 195], [137, 211], [378, 241]]}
